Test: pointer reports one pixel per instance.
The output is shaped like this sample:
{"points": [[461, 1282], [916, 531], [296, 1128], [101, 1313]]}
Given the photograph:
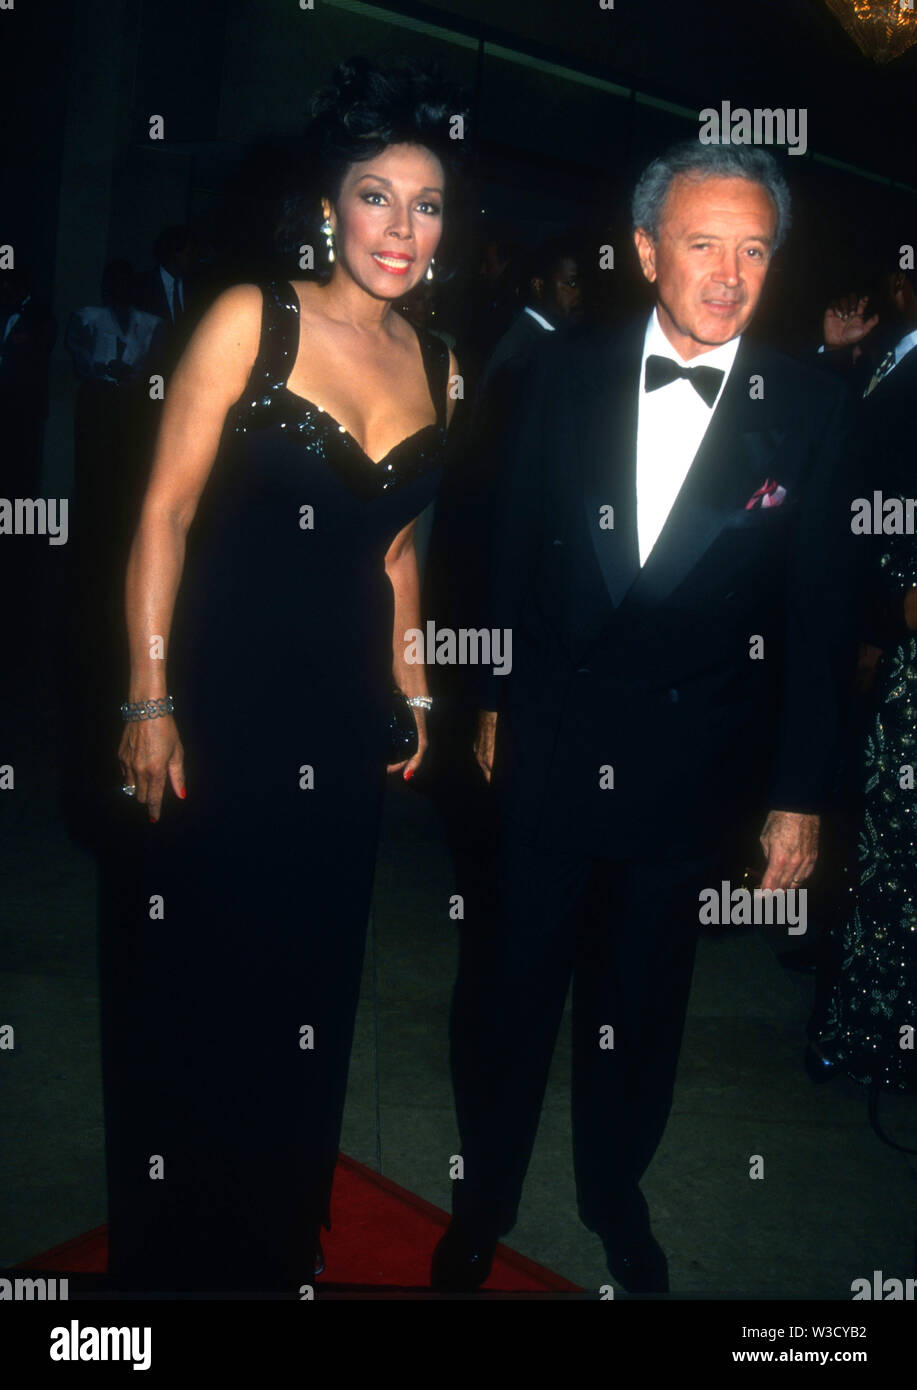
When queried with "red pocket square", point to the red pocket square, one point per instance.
{"points": [[769, 494]]}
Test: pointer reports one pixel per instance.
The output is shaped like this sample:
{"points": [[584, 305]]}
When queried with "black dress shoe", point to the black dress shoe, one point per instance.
{"points": [[819, 1068], [461, 1262], [639, 1266]]}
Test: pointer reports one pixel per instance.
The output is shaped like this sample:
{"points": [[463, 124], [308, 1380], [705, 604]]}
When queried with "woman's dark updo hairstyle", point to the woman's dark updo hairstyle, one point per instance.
{"points": [[366, 107]]}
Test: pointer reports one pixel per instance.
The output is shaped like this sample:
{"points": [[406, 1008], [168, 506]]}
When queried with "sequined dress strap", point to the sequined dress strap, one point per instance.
{"points": [[277, 349]]}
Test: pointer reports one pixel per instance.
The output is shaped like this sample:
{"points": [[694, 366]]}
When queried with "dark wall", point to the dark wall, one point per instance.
{"points": [[33, 126], [551, 151]]}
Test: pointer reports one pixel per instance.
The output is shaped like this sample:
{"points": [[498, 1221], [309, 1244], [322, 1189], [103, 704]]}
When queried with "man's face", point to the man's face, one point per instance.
{"points": [[716, 238], [178, 262], [563, 290], [898, 301]]}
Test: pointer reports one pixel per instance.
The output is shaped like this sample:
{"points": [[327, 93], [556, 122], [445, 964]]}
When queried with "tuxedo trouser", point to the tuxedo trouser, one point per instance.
{"points": [[626, 932]]}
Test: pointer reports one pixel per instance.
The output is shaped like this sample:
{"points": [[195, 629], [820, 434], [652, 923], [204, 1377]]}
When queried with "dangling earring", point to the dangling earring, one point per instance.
{"points": [[328, 233], [429, 274]]}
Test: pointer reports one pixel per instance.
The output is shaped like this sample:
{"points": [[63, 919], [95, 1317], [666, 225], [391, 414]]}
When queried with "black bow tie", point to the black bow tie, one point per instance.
{"points": [[705, 380]]}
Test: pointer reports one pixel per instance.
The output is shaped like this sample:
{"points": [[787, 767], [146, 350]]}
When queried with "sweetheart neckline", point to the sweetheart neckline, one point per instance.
{"points": [[342, 429]]}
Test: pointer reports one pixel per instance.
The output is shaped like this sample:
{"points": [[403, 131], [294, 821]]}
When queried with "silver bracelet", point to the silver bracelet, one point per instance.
{"points": [[147, 709], [420, 701]]}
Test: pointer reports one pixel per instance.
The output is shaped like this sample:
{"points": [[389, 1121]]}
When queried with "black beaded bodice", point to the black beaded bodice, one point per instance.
{"points": [[268, 401], [286, 558]]}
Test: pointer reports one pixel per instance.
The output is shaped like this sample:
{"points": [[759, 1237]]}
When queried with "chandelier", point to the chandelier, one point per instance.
{"points": [[882, 29]]}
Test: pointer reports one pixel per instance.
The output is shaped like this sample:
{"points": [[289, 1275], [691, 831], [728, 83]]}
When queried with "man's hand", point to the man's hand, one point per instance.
{"points": [[790, 843], [485, 741], [844, 325]]}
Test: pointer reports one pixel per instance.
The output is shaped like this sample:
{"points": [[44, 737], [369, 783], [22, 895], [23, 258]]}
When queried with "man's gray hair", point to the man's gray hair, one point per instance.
{"points": [[705, 162]]}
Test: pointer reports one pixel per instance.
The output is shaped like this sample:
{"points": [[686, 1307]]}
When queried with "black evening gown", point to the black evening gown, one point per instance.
{"points": [[234, 928]]}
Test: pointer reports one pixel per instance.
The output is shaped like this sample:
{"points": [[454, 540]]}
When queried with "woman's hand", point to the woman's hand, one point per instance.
{"points": [[410, 765], [150, 751]]}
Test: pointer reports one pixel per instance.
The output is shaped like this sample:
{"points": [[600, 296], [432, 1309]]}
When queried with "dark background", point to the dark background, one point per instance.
{"points": [[569, 102]]}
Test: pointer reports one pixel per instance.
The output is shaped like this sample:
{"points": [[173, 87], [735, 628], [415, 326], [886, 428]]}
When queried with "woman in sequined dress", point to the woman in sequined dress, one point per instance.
{"points": [[871, 1013], [303, 433]]}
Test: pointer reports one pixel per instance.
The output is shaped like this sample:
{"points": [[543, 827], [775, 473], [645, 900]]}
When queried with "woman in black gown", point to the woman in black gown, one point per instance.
{"points": [[303, 433]]}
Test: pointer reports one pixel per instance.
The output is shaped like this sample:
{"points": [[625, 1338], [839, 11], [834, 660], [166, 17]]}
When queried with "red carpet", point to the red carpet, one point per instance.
{"points": [[382, 1235]]}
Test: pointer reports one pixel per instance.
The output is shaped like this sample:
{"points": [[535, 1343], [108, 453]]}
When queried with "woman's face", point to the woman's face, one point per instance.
{"points": [[388, 219]]}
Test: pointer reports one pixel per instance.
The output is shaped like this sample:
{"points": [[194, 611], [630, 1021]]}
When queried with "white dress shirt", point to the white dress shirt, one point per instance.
{"points": [[907, 344], [95, 337], [167, 282], [671, 424], [539, 318]]}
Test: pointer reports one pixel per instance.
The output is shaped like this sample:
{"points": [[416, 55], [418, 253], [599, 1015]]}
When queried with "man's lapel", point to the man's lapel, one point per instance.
{"points": [[607, 431]]}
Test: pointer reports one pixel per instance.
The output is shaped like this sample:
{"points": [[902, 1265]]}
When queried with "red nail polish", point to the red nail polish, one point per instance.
{"points": [[408, 773], [153, 820], [183, 793]]}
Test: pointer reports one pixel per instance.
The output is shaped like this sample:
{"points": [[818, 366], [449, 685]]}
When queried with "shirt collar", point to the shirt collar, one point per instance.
{"points": [[539, 318], [906, 345], [656, 343], [18, 308]]}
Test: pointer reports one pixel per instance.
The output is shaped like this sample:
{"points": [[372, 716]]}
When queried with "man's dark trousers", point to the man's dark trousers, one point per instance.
{"points": [[631, 966]]}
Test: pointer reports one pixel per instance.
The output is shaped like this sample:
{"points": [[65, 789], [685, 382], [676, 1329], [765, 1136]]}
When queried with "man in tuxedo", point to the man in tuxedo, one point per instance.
{"points": [[452, 580], [870, 342], [169, 292], [671, 552], [552, 299], [885, 422]]}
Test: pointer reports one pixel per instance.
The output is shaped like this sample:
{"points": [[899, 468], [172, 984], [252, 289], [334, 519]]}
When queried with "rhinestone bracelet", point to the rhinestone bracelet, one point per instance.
{"points": [[147, 709], [420, 701]]}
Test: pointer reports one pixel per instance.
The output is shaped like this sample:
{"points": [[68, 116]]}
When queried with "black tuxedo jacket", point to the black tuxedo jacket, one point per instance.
{"points": [[885, 427], [636, 714], [514, 349], [453, 576], [149, 295], [25, 354]]}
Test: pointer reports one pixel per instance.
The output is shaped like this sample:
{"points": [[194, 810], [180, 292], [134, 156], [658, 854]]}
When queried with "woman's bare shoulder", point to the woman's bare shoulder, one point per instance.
{"points": [[225, 342], [236, 309]]}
